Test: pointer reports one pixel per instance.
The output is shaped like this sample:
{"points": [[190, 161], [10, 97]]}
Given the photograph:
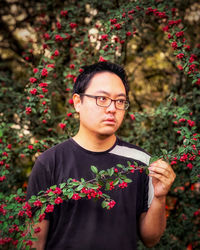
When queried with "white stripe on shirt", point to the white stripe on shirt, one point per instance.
{"points": [[136, 155]]}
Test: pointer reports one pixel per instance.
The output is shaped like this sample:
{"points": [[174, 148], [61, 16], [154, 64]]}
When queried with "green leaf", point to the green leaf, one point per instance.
{"points": [[128, 180], [20, 243], [41, 192], [146, 171], [104, 204], [43, 200], [93, 186], [154, 158], [135, 164], [82, 195], [94, 169], [65, 191], [75, 183], [115, 182], [70, 195], [129, 163], [62, 185], [79, 187], [123, 177], [119, 165], [19, 191], [33, 198], [102, 51], [16, 221], [107, 186], [181, 150], [33, 238], [102, 172], [110, 171], [164, 151], [106, 196], [50, 42], [51, 194], [101, 183], [69, 180], [10, 206]]}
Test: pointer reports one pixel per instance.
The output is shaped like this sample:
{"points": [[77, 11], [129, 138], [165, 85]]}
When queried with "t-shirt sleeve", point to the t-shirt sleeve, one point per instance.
{"points": [[150, 192], [145, 194], [40, 179], [142, 193]]}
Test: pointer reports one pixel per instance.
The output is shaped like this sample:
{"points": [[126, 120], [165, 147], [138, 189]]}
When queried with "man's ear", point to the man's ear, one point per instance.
{"points": [[77, 102]]}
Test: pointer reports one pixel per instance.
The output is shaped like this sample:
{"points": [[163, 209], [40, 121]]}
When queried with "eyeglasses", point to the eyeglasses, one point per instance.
{"points": [[104, 101]]}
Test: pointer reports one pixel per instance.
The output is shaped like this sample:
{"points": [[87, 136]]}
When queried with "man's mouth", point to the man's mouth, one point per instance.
{"points": [[110, 120]]}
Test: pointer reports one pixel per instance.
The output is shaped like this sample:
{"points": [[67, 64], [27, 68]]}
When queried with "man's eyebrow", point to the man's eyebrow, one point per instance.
{"points": [[106, 93]]}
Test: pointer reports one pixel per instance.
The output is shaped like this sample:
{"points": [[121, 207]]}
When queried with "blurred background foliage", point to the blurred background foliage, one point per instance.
{"points": [[149, 61]]}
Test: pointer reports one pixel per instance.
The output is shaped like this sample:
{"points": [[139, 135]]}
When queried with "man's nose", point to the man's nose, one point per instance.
{"points": [[111, 107]]}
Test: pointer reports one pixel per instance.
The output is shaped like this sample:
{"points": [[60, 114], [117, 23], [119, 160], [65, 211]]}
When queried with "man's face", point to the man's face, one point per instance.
{"points": [[101, 121]]}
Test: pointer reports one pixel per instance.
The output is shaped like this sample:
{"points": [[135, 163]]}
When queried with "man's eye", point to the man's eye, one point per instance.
{"points": [[102, 98], [120, 101]]}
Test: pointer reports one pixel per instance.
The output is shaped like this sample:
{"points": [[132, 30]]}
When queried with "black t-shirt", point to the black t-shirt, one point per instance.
{"points": [[84, 224]]}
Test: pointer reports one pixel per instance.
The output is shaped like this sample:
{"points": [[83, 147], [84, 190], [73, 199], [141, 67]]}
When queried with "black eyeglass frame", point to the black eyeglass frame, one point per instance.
{"points": [[126, 103]]}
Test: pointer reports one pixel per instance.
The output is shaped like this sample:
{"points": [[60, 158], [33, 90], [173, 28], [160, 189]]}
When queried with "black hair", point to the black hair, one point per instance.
{"points": [[82, 81]]}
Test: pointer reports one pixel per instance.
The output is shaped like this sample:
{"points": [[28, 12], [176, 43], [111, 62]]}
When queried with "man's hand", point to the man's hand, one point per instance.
{"points": [[162, 177]]}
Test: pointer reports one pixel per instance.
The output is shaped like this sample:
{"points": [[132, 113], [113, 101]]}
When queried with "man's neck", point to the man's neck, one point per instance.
{"points": [[95, 143]]}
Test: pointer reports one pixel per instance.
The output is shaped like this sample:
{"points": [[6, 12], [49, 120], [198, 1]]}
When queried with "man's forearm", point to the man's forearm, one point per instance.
{"points": [[41, 236], [153, 223]]}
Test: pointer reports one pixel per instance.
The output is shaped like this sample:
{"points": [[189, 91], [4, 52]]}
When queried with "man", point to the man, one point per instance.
{"points": [[100, 97]]}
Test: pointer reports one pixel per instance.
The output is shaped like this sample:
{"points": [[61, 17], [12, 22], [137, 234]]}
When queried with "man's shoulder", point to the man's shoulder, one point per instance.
{"points": [[128, 150], [56, 150]]}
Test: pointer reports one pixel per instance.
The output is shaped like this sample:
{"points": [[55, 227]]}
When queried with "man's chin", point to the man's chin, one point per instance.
{"points": [[107, 133]]}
